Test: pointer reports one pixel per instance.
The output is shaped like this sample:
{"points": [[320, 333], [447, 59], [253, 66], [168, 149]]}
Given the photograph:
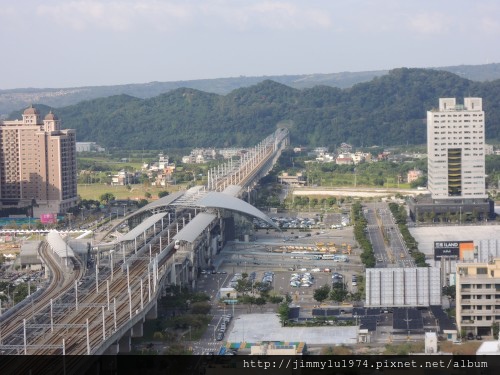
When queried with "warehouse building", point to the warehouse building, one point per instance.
{"points": [[403, 287]]}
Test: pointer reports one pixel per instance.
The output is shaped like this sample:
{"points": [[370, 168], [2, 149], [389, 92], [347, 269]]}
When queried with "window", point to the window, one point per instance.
{"points": [[482, 271]]}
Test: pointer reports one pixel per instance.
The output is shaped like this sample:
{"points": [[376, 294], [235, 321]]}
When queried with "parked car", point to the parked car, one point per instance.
{"points": [[220, 336]]}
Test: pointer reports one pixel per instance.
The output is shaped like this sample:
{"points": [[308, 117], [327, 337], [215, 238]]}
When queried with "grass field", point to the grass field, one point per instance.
{"points": [[138, 191]]}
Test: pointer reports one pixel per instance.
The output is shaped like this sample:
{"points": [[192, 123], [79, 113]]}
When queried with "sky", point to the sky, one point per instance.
{"points": [[73, 43]]}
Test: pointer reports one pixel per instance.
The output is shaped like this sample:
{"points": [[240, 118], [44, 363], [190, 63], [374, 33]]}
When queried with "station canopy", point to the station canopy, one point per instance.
{"points": [[59, 245], [228, 202], [162, 202], [195, 227], [145, 225]]}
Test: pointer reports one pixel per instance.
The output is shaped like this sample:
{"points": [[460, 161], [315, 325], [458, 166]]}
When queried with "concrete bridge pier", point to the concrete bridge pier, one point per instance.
{"points": [[113, 349], [138, 329], [153, 312], [125, 344]]}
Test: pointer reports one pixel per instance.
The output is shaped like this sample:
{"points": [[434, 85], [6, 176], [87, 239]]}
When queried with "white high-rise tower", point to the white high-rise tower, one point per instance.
{"points": [[455, 147]]}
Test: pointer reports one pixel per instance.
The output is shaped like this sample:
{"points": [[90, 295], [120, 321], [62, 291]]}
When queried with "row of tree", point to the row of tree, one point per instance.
{"points": [[360, 230], [400, 217]]}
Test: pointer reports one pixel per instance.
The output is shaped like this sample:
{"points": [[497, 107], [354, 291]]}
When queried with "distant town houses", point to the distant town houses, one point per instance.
{"points": [[292, 180], [325, 158], [203, 155], [345, 148], [89, 147], [344, 159], [318, 151], [414, 175], [160, 173], [123, 178]]}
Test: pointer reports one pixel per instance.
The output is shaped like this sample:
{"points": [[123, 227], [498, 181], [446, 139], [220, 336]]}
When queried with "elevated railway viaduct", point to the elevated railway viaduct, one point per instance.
{"points": [[171, 240]]}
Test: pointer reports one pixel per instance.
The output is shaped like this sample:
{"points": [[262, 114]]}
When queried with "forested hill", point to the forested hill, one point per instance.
{"points": [[388, 110]]}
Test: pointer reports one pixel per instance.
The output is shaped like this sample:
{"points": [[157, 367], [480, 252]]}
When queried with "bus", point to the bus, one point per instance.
{"points": [[329, 256]]}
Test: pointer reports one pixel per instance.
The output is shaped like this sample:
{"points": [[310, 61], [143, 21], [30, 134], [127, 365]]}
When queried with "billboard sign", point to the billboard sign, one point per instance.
{"points": [[463, 250], [48, 218]]}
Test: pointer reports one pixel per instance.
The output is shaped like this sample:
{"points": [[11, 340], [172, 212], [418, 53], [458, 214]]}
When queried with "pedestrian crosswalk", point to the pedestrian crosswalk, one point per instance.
{"points": [[206, 348]]}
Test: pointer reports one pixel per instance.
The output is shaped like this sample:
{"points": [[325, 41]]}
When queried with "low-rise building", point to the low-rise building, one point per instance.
{"points": [[344, 159], [478, 297], [122, 178], [88, 147], [296, 180], [413, 175], [325, 158]]}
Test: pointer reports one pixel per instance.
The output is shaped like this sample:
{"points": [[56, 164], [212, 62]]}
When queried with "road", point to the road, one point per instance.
{"points": [[388, 244]]}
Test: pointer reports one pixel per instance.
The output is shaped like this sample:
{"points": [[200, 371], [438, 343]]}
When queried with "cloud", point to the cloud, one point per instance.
{"points": [[489, 25], [430, 23], [115, 15], [126, 15], [285, 15]]}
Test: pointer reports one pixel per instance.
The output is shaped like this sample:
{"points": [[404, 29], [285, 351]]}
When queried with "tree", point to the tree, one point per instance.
{"points": [[147, 195], [449, 291], [283, 313], [262, 287], [339, 292], [260, 301], [250, 300], [243, 286], [275, 299], [200, 308], [142, 203], [162, 194], [107, 197], [321, 293], [20, 292], [495, 327]]}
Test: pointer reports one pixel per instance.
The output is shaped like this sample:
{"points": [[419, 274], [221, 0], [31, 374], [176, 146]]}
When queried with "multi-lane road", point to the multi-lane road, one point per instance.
{"points": [[388, 244]]}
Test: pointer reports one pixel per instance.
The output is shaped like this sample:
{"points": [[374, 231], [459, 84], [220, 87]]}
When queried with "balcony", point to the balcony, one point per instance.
{"points": [[477, 323], [475, 312]]}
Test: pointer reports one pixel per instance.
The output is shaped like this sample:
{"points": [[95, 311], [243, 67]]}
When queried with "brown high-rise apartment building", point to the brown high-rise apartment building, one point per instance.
{"points": [[37, 164]]}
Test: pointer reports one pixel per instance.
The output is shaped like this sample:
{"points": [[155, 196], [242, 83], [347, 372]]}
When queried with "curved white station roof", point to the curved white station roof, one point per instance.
{"points": [[228, 202], [59, 246], [164, 201]]}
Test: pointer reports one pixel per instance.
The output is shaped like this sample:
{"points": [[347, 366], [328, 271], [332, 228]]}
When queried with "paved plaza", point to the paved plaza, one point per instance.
{"points": [[267, 327]]}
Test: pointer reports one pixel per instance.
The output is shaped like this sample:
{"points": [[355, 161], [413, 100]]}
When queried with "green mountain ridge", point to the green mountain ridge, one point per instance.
{"points": [[13, 99], [389, 110]]}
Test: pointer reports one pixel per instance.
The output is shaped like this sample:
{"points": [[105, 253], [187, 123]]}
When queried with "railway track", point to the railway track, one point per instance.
{"points": [[92, 303], [60, 282]]}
